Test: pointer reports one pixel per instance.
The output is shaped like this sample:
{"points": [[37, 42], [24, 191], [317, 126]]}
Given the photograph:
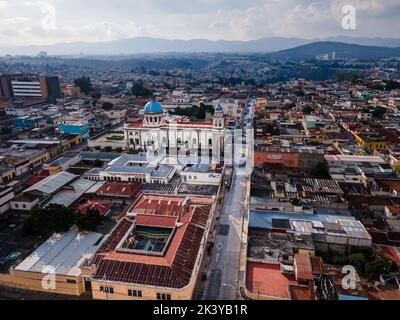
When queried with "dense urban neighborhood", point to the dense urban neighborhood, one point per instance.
{"points": [[200, 176]]}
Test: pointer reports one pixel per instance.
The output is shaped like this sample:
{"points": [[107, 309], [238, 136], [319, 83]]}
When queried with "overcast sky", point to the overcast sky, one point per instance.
{"points": [[50, 21]]}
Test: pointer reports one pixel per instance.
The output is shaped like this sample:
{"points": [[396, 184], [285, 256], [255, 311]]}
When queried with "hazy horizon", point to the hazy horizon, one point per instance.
{"points": [[49, 22]]}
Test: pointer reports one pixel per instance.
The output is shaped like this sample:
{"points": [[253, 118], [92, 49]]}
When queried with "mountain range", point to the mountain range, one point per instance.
{"points": [[156, 45], [339, 49]]}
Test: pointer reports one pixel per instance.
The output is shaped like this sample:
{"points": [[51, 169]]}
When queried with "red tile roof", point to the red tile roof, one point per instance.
{"points": [[394, 210], [303, 267], [101, 207], [300, 293], [116, 235], [35, 179], [119, 189], [165, 206], [393, 253], [173, 270], [155, 221]]}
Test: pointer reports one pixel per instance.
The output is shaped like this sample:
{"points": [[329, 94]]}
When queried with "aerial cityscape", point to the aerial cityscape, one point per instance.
{"points": [[224, 157]]}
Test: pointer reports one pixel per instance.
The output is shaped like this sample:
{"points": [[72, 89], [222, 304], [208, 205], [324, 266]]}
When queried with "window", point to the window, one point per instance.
{"points": [[71, 281], [24, 205], [106, 290], [134, 293], [16, 205], [163, 296]]}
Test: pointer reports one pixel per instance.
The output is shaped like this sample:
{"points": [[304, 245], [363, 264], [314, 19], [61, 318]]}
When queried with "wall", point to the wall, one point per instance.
{"points": [[17, 205], [33, 281], [201, 178], [148, 293], [82, 130]]}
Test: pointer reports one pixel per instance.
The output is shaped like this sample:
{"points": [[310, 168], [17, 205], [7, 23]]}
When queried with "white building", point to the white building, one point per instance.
{"points": [[159, 134], [231, 107], [137, 168], [201, 174]]}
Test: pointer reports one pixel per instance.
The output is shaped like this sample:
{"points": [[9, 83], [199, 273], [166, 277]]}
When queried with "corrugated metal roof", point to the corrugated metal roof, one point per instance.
{"points": [[67, 197], [64, 253], [52, 183]]}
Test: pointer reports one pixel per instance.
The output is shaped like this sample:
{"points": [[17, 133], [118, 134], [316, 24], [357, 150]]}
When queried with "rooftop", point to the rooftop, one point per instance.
{"points": [[328, 224], [267, 279], [119, 189], [52, 183], [173, 251], [102, 207], [63, 252], [71, 193], [103, 156]]}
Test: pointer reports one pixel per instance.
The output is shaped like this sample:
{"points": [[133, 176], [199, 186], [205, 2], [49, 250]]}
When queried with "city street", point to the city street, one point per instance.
{"points": [[223, 273], [222, 282]]}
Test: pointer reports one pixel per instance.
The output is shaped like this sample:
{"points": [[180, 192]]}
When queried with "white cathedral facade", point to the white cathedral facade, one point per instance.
{"points": [[157, 133]]}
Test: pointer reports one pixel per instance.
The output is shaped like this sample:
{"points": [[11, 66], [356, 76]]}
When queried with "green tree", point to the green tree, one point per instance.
{"points": [[97, 163], [377, 264], [107, 105], [88, 221], [96, 95], [85, 84], [358, 260], [392, 85], [46, 221], [321, 171], [139, 90], [308, 110], [379, 112]]}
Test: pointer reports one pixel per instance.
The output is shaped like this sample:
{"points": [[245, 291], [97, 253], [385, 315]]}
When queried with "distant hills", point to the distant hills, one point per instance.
{"points": [[285, 47], [157, 45], [341, 51]]}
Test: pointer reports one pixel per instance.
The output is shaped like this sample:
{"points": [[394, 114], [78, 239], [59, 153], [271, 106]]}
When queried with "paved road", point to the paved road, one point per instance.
{"points": [[222, 282], [223, 276]]}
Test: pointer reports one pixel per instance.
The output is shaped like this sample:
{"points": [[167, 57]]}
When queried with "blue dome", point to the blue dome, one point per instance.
{"points": [[218, 108], [153, 107]]}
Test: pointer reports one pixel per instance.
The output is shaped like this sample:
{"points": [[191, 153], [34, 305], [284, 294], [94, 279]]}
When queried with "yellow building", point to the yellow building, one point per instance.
{"points": [[155, 255], [57, 266], [394, 161], [371, 142], [70, 140]]}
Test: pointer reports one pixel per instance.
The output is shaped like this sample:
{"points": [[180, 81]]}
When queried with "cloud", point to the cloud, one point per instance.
{"points": [[96, 20]]}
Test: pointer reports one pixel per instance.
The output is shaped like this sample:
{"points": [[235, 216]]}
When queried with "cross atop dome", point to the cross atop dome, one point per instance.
{"points": [[218, 108]]}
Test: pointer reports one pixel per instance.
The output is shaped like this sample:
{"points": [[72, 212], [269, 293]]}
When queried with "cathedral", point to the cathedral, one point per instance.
{"points": [[159, 133]]}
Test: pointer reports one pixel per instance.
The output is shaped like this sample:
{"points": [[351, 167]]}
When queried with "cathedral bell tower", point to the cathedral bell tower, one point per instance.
{"points": [[219, 118]]}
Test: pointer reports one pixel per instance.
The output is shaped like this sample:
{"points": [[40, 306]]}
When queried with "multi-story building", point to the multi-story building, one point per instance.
{"points": [[5, 86], [162, 246], [371, 141], [159, 133], [30, 86], [394, 161], [76, 127]]}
